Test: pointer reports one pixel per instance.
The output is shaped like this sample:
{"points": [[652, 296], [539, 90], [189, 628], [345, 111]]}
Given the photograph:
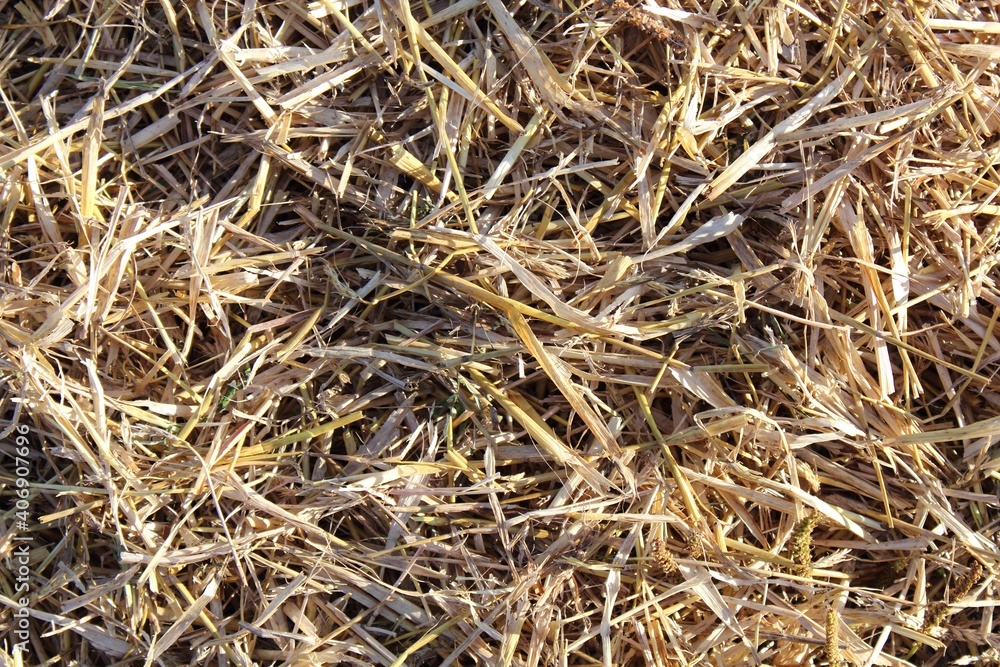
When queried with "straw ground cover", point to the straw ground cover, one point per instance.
{"points": [[480, 332]]}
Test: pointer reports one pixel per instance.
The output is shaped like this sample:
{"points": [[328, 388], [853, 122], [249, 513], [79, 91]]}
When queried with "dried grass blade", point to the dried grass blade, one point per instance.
{"points": [[756, 153], [578, 318], [718, 227], [597, 425], [551, 86], [16, 156], [292, 346], [518, 407], [467, 85], [179, 626]]}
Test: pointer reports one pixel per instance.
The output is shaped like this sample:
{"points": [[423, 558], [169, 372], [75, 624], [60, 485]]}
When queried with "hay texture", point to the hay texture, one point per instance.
{"points": [[500, 333]]}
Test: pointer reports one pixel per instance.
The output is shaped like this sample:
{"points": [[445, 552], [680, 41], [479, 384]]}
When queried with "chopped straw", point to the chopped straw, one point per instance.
{"points": [[500, 332]]}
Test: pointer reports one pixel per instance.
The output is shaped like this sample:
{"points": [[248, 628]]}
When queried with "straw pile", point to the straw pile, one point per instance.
{"points": [[484, 332]]}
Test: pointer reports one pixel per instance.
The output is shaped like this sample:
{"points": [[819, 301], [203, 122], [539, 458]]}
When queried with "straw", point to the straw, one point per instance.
{"points": [[500, 333]]}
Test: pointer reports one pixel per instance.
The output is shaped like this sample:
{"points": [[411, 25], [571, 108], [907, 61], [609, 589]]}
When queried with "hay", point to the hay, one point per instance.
{"points": [[484, 333]]}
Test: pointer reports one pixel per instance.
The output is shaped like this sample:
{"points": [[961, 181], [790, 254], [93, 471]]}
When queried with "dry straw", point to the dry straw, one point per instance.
{"points": [[489, 332]]}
